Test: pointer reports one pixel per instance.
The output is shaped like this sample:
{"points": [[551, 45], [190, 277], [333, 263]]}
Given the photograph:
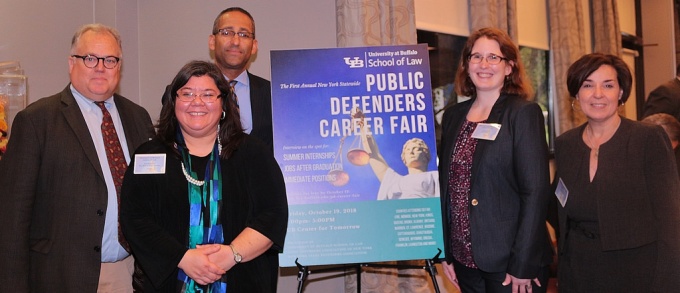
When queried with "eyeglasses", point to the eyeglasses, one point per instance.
{"points": [[91, 61], [230, 34], [492, 59], [189, 96]]}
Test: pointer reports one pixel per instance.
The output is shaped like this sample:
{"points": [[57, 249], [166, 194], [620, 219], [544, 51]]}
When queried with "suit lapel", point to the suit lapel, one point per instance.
{"points": [[128, 120], [75, 120], [495, 116], [255, 104]]}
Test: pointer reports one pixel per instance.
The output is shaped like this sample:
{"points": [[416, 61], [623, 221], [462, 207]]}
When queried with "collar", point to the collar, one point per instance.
{"points": [[87, 103], [241, 78]]}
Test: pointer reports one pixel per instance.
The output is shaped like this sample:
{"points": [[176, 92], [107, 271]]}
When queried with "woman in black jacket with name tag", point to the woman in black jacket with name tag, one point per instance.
{"points": [[494, 174]]}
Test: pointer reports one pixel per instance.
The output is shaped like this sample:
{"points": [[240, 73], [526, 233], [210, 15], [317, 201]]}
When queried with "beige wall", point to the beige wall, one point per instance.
{"points": [[39, 37], [172, 32], [659, 40], [627, 16], [161, 35], [448, 17]]}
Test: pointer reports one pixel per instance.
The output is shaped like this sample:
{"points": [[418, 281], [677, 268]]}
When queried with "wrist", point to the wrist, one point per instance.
{"points": [[237, 256]]}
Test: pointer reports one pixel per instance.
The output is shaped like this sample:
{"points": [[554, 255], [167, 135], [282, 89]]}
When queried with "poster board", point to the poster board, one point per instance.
{"points": [[341, 120]]}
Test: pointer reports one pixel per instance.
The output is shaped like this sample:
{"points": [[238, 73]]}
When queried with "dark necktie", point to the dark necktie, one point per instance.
{"points": [[116, 158], [232, 84]]}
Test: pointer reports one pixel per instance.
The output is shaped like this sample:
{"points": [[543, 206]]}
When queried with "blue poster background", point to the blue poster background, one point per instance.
{"points": [[335, 217]]}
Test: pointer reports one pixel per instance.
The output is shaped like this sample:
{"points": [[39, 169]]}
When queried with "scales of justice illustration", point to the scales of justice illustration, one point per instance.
{"points": [[356, 155]]}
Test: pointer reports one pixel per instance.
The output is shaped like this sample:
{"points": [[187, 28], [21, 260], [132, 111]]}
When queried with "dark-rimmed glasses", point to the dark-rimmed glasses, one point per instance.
{"points": [[492, 59], [92, 61]]}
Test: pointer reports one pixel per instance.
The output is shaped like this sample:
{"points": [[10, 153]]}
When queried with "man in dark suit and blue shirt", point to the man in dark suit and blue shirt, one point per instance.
{"points": [[59, 210], [233, 43]]}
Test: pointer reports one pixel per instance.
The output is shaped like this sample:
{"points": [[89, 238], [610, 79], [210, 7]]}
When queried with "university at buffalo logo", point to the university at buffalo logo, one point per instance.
{"points": [[354, 63]]}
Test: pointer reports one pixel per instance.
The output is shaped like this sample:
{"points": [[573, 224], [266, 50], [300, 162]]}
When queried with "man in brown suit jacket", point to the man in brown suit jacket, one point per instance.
{"points": [[59, 207]]}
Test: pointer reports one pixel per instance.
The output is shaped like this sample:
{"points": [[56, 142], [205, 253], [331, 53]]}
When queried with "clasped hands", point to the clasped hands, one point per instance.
{"points": [[207, 263]]}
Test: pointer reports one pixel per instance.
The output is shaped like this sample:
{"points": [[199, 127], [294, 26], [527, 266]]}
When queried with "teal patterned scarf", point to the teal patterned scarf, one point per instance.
{"points": [[205, 199]]}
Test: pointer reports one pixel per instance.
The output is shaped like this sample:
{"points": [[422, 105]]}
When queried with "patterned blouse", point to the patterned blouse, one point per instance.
{"points": [[459, 188]]}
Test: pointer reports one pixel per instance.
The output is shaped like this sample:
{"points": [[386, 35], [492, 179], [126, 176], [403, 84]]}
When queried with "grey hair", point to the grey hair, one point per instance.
{"points": [[97, 28], [669, 124]]}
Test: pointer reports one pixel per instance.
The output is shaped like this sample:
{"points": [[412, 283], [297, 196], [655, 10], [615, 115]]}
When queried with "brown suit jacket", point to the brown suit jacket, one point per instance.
{"points": [[54, 197]]}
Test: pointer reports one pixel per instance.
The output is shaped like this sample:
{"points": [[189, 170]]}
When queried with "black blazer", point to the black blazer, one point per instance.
{"points": [[511, 185], [641, 201], [154, 216], [261, 101]]}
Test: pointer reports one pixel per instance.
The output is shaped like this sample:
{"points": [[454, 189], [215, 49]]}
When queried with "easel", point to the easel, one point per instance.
{"points": [[304, 271]]}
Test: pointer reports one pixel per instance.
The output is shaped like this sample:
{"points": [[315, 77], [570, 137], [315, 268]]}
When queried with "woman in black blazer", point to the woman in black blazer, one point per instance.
{"points": [[618, 189], [494, 173]]}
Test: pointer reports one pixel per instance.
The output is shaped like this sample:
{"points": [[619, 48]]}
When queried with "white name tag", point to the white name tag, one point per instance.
{"points": [[150, 164], [486, 131], [562, 193]]}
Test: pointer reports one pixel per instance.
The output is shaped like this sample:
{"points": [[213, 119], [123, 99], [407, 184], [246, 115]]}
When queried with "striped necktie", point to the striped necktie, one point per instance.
{"points": [[232, 84]]}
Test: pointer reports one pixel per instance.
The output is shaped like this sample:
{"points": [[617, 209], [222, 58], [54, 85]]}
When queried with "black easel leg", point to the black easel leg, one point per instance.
{"points": [[303, 272], [432, 270], [359, 278]]}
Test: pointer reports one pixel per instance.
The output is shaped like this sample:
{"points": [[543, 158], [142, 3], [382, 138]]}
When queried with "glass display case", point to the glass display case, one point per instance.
{"points": [[12, 98]]}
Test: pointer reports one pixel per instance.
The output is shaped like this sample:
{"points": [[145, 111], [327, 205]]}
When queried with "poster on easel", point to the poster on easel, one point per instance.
{"points": [[354, 137]]}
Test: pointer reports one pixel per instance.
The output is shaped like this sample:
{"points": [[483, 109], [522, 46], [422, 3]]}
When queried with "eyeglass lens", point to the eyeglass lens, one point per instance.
{"points": [[491, 58], [90, 61], [188, 96], [231, 34]]}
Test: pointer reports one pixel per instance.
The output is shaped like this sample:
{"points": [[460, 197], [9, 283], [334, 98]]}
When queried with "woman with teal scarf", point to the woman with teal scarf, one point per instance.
{"points": [[203, 205]]}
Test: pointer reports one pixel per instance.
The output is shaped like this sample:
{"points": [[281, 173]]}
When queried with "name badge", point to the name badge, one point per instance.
{"points": [[561, 192], [150, 164], [486, 131]]}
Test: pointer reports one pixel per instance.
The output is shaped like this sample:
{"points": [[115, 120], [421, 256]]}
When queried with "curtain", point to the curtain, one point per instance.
{"points": [[606, 29], [566, 46], [375, 22], [500, 14]]}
